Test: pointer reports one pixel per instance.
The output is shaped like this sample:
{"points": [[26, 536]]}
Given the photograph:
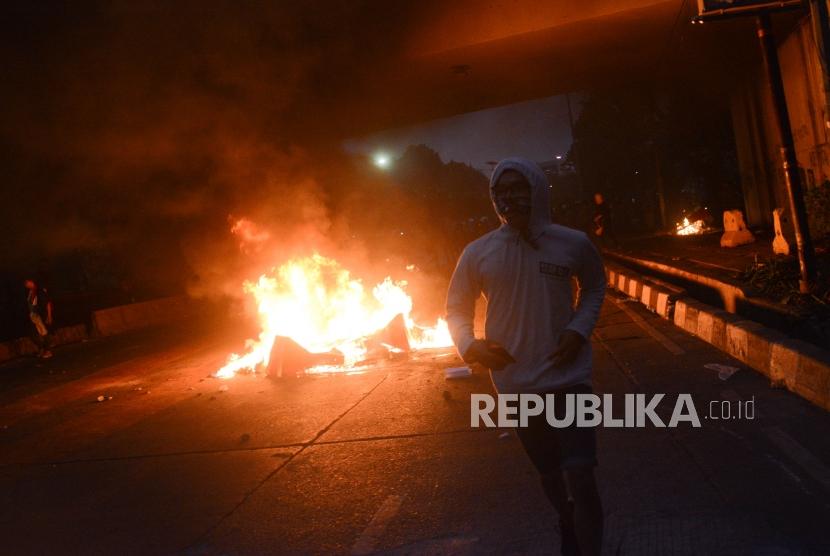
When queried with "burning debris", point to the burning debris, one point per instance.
{"points": [[697, 222], [690, 228], [315, 317], [288, 357]]}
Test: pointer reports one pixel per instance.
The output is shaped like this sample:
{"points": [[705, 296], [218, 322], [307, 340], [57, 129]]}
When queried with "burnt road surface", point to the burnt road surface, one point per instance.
{"points": [[385, 461]]}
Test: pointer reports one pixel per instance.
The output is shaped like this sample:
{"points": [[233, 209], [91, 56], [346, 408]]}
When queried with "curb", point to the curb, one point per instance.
{"points": [[732, 294], [799, 366], [658, 296]]}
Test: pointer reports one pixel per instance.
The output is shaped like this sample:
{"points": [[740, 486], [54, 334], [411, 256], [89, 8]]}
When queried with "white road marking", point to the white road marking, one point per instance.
{"points": [[653, 332], [732, 397], [800, 455], [367, 541]]}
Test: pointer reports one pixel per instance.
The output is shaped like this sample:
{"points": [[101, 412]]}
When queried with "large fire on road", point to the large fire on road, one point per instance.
{"points": [[320, 306]]}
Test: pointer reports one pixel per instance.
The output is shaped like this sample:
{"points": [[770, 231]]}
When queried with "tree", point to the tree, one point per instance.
{"points": [[635, 141]]}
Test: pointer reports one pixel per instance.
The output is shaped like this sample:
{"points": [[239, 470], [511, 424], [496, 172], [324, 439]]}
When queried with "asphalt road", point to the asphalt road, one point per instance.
{"points": [[385, 461]]}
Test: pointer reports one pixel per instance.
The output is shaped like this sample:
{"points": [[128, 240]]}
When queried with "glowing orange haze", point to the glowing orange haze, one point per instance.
{"points": [[316, 302], [250, 236]]}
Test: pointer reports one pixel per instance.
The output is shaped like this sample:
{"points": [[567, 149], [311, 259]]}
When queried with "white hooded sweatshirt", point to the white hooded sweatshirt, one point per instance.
{"points": [[529, 292]]}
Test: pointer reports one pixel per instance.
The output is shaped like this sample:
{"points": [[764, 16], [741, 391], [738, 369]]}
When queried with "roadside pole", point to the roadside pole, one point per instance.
{"points": [[575, 147], [661, 197]]}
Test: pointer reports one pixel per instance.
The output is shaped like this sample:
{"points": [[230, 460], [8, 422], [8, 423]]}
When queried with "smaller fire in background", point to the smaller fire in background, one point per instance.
{"points": [[697, 222], [690, 228]]}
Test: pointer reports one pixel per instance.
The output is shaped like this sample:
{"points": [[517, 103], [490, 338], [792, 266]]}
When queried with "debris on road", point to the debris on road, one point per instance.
{"points": [[725, 372], [447, 395], [457, 372], [223, 388], [101, 398], [288, 358]]}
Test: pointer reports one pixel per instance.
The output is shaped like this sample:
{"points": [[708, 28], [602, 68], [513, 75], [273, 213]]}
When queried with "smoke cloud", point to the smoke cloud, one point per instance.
{"points": [[140, 135], [137, 130]]}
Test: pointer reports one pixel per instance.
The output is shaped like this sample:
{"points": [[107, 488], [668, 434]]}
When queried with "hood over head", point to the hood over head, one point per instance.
{"points": [[539, 192]]}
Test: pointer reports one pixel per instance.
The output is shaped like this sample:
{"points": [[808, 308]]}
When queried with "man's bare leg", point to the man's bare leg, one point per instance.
{"points": [[587, 511]]}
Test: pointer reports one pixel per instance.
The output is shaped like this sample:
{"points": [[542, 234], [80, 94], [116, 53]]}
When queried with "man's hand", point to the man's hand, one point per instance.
{"points": [[490, 354], [570, 342]]}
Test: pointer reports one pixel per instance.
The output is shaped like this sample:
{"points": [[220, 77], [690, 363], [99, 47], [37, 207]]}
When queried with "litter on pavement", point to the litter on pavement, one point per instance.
{"points": [[724, 371], [457, 372]]}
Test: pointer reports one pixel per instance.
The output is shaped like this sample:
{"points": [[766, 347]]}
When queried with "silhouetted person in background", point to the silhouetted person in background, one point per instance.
{"points": [[601, 232], [40, 315]]}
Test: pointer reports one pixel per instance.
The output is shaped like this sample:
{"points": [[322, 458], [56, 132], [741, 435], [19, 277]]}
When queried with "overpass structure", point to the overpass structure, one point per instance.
{"points": [[446, 58]]}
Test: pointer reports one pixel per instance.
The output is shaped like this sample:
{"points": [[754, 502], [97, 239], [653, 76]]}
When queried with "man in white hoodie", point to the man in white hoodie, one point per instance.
{"points": [[536, 340]]}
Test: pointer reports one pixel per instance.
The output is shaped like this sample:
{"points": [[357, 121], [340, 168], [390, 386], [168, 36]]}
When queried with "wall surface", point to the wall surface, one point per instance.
{"points": [[759, 157], [108, 322]]}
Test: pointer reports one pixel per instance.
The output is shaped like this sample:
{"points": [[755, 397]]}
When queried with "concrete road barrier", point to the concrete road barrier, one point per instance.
{"points": [[25, 346], [799, 366], [108, 322], [124, 318]]}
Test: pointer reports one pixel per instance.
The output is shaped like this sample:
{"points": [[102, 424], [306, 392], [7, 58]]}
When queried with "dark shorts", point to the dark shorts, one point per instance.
{"points": [[552, 449]]}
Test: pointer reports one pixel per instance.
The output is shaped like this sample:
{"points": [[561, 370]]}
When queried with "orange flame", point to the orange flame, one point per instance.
{"points": [[690, 228], [316, 303]]}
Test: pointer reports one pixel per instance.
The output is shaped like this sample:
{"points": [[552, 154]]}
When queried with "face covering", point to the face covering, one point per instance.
{"points": [[509, 207], [518, 205], [513, 202]]}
